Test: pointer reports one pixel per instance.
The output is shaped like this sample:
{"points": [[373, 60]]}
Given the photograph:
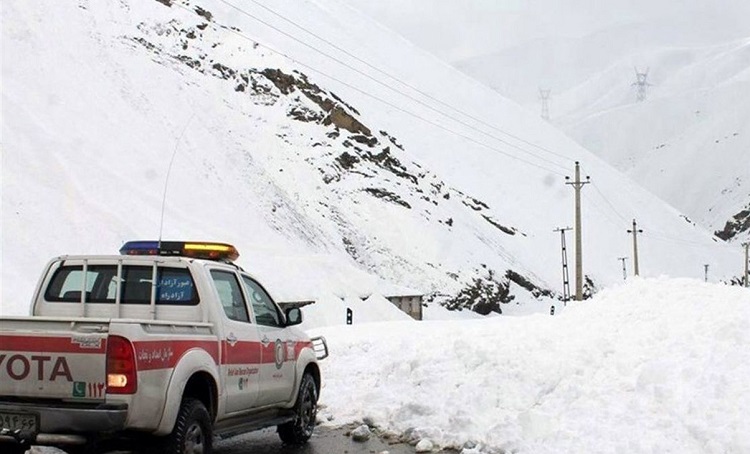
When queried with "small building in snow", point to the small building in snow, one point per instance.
{"points": [[409, 303]]}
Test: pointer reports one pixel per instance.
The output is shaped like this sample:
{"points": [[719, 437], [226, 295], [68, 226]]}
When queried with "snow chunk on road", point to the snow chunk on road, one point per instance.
{"points": [[650, 366]]}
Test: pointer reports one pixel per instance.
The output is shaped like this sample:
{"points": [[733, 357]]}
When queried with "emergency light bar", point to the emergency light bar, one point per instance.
{"points": [[194, 249]]}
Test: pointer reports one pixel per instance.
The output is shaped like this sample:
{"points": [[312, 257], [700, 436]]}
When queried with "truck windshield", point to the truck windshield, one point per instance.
{"points": [[174, 285]]}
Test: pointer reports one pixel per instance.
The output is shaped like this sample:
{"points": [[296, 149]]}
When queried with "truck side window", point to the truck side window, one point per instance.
{"points": [[230, 295], [175, 286], [264, 308]]}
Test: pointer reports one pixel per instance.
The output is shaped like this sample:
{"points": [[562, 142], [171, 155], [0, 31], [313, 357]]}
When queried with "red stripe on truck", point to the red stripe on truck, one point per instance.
{"points": [[301, 346], [151, 355], [241, 352]]}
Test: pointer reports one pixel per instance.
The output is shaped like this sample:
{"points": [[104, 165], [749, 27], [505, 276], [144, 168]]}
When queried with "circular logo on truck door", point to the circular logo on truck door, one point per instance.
{"points": [[279, 350]]}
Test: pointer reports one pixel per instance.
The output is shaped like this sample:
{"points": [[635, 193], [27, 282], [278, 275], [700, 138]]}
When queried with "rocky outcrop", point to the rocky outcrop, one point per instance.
{"points": [[739, 223]]}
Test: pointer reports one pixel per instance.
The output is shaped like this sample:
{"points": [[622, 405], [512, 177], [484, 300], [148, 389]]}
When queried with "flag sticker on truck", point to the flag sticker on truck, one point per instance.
{"points": [[79, 389], [84, 389]]}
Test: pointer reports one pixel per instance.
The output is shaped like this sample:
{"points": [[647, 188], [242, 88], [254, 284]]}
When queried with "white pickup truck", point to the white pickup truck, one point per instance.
{"points": [[161, 348]]}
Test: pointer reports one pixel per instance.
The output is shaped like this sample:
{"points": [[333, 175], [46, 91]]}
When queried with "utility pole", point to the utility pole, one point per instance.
{"points": [[640, 84], [577, 185], [746, 245], [635, 233], [705, 271], [624, 270], [566, 280], [544, 96]]}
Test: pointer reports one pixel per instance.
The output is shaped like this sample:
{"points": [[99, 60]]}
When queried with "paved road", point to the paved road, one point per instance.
{"points": [[324, 441]]}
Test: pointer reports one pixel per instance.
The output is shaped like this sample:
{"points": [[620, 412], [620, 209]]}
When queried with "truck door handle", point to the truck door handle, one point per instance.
{"points": [[231, 339]]}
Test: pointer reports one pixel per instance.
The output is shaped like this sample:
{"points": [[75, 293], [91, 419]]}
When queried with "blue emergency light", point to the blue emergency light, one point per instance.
{"points": [[194, 249]]}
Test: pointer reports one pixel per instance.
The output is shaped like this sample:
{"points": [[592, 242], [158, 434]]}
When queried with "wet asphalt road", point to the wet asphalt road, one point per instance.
{"points": [[323, 441]]}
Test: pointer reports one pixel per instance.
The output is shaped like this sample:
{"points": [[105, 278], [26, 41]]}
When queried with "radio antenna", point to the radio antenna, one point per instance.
{"points": [[166, 180]]}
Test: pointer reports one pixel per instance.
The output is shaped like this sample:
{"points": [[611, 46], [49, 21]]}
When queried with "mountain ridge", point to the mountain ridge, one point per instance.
{"points": [[261, 169]]}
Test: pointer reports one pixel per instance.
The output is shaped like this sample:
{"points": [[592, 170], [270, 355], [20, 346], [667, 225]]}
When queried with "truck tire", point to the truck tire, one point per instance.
{"points": [[193, 431], [300, 429]]}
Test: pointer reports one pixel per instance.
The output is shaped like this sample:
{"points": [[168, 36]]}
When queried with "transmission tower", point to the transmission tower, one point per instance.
{"points": [[544, 96], [640, 85], [566, 279]]}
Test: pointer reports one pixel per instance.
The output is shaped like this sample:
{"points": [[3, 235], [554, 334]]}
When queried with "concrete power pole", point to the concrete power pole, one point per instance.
{"points": [[635, 233], [640, 85], [544, 96], [566, 280], [624, 270], [577, 185], [746, 246]]}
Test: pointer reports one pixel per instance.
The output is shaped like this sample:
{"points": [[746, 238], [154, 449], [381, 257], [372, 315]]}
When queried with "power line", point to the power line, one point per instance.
{"points": [[430, 122], [666, 237], [614, 210], [659, 235], [369, 65], [600, 209]]}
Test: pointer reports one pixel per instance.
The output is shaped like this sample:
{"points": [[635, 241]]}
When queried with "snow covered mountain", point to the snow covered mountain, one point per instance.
{"points": [[340, 159], [687, 141]]}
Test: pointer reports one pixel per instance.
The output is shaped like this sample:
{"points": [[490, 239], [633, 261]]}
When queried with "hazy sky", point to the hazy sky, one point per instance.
{"points": [[459, 29]]}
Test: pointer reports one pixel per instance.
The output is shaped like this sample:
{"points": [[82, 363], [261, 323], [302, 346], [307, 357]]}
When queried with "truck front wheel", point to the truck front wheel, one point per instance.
{"points": [[300, 429], [192, 433]]}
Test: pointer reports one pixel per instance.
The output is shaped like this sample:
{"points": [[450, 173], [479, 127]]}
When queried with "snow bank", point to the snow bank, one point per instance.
{"points": [[331, 310], [651, 366]]}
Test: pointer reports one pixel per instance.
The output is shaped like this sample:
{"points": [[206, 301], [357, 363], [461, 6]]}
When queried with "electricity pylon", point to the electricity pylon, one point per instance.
{"points": [[577, 185], [635, 233], [640, 84], [566, 279], [746, 246], [544, 96], [624, 269]]}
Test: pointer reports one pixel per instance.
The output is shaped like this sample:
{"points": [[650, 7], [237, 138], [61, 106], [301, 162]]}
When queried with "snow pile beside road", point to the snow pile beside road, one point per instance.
{"points": [[331, 310], [651, 366]]}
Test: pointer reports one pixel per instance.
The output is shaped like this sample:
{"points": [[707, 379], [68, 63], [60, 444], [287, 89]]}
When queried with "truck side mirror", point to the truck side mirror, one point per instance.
{"points": [[293, 316]]}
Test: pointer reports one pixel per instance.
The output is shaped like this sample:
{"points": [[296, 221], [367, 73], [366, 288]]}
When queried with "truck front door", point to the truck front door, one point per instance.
{"points": [[277, 373], [241, 347]]}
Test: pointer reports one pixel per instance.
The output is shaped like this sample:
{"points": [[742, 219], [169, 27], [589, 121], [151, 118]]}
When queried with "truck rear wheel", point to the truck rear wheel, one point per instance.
{"points": [[192, 433], [299, 430]]}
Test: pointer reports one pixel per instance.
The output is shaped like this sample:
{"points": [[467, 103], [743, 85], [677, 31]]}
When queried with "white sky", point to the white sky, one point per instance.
{"points": [[456, 30]]}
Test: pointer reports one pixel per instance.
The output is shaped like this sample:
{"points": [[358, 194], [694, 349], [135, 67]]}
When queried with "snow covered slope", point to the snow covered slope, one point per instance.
{"points": [[687, 142], [330, 182]]}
